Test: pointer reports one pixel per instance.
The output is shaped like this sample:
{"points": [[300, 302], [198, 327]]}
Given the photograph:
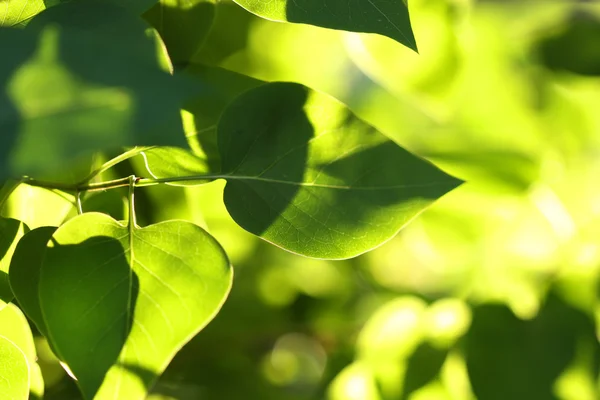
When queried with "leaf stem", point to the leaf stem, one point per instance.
{"points": [[132, 181]]}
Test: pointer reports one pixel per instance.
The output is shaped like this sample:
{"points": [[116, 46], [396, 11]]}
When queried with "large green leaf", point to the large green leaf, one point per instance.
{"points": [[11, 231], [183, 25], [14, 327], [25, 269], [389, 18], [14, 372], [83, 77], [141, 293], [305, 174]]}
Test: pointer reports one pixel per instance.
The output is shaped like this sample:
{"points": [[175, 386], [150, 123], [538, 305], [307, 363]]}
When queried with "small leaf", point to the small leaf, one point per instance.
{"points": [[24, 273], [169, 162], [389, 18], [183, 26], [307, 175], [14, 327], [14, 372], [142, 293], [11, 231]]}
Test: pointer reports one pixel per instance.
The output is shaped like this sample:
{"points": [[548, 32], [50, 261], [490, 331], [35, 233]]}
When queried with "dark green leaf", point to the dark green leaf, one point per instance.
{"points": [[25, 272], [141, 293], [389, 18], [183, 25], [14, 373], [305, 174], [11, 231], [83, 77]]}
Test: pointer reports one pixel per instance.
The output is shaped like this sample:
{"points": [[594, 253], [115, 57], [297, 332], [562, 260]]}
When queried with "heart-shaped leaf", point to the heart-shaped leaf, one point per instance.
{"points": [[305, 174], [14, 327], [11, 231], [14, 371], [119, 301], [389, 18]]}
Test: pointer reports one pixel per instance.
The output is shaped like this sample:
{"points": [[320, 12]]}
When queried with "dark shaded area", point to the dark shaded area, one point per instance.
{"points": [[424, 365], [574, 49], [85, 307], [104, 51], [22, 47], [255, 131], [509, 358], [183, 30]]}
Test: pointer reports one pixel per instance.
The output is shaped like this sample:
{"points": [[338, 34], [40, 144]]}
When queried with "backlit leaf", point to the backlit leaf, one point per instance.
{"points": [[389, 18], [141, 293], [14, 373], [305, 174]]}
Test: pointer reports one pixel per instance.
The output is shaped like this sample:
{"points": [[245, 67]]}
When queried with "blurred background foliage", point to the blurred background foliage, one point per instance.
{"points": [[493, 293]]}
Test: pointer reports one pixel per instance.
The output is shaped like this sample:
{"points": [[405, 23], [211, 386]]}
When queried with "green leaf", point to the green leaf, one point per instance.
{"points": [[14, 372], [25, 270], [16, 12], [183, 26], [142, 293], [389, 18], [11, 231], [83, 77], [14, 327], [167, 162], [307, 175]]}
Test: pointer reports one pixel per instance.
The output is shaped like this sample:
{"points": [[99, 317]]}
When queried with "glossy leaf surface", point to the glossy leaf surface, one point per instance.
{"points": [[305, 174], [389, 18], [141, 293]]}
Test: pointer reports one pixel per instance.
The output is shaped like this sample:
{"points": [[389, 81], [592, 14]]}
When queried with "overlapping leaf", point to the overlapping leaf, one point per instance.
{"points": [[389, 18], [15, 328], [141, 294], [11, 231]]}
